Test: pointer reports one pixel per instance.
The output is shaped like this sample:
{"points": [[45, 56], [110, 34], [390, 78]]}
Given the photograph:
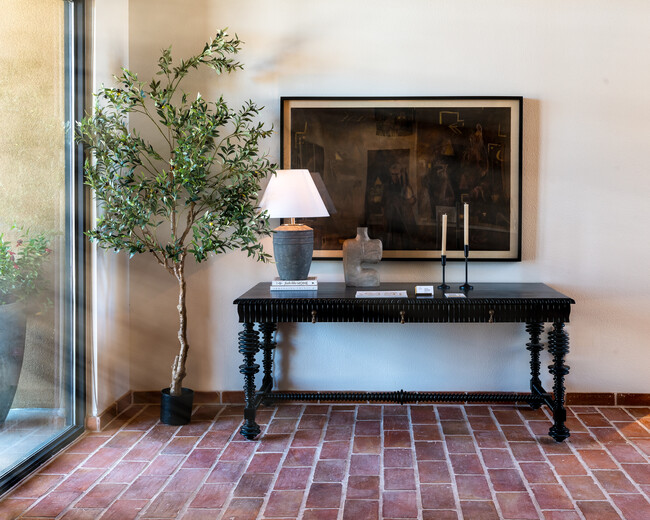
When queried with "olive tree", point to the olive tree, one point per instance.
{"points": [[195, 194]]}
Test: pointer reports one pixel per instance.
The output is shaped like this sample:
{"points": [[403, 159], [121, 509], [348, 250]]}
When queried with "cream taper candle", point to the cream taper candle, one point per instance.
{"points": [[444, 234], [466, 224]]}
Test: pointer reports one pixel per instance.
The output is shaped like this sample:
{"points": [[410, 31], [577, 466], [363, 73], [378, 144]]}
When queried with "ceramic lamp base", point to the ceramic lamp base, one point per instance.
{"points": [[293, 246]]}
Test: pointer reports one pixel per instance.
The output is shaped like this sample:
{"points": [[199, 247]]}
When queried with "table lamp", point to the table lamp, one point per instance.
{"points": [[293, 194]]}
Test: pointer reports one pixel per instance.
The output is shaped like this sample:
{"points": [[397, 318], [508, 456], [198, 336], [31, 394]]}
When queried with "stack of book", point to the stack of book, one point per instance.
{"points": [[310, 284]]}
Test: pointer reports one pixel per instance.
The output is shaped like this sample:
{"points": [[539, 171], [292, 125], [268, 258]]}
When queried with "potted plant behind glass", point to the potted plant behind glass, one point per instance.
{"points": [[21, 279], [195, 195]]}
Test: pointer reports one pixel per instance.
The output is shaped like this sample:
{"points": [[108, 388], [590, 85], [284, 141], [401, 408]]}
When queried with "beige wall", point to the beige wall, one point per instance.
{"points": [[580, 66], [108, 275]]}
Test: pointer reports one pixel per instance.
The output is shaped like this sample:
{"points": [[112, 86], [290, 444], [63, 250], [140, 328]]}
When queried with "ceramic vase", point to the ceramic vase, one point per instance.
{"points": [[356, 251], [13, 326]]}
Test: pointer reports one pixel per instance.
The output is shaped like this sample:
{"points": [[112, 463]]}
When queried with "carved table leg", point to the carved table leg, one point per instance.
{"points": [[558, 346], [268, 346], [248, 346], [534, 347]]}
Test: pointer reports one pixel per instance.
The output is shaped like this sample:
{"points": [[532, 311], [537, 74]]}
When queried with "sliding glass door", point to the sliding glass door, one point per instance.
{"points": [[41, 241]]}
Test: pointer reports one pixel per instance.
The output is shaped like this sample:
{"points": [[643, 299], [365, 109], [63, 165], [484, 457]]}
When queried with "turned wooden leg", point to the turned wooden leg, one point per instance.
{"points": [[535, 347], [558, 346], [268, 346], [249, 345]]}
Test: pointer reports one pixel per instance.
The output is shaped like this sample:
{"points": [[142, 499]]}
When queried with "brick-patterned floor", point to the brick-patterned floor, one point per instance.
{"points": [[362, 462], [25, 429]]}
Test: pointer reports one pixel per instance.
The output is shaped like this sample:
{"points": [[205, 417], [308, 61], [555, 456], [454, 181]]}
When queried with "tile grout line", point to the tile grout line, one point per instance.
{"points": [[382, 444], [80, 466], [628, 441], [167, 480], [276, 474], [162, 448], [529, 423], [346, 475], [310, 479], [37, 472], [169, 477], [528, 485], [110, 468], [603, 447], [145, 433], [486, 473], [557, 476], [184, 509], [452, 475], [246, 461], [416, 471], [274, 479], [22, 434]]}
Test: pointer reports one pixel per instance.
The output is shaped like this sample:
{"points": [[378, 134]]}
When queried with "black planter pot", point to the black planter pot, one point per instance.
{"points": [[176, 409], [13, 325]]}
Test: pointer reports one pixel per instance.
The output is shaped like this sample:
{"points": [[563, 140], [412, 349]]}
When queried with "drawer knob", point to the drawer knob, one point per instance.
{"points": [[401, 315], [313, 316]]}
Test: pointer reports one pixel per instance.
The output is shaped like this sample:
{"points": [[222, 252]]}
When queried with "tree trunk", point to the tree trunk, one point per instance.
{"points": [[178, 368]]}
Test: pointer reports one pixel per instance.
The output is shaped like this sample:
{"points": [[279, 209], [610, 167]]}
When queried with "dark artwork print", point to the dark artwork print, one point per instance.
{"points": [[397, 170]]}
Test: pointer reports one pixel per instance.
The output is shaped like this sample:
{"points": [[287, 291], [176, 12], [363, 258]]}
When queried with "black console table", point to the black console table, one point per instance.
{"points": [[531, 303]]}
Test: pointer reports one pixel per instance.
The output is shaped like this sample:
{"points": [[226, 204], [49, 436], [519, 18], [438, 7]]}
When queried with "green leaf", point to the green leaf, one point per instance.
{"points": [[209, 166]]}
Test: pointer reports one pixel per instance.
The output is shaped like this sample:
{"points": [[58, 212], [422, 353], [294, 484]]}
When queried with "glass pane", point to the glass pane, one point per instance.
{"points": [[35, 245]]}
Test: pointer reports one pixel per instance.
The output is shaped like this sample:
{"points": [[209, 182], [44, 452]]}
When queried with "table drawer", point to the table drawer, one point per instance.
{"points": [[395, 312]]}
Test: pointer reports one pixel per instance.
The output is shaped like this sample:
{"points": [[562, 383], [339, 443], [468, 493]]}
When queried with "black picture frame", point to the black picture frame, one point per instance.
{"points": [[397, 164]]}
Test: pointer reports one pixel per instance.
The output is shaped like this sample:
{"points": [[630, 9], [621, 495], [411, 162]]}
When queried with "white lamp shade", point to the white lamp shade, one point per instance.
{"points": [[293, 194]]}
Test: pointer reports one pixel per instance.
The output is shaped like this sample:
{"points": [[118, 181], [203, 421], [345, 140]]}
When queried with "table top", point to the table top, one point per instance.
{"points": [[481, 292]]}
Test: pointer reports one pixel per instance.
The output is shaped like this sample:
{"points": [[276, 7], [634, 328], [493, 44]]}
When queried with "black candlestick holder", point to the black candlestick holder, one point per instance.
{"points": [[443, 285], [466, 286]]}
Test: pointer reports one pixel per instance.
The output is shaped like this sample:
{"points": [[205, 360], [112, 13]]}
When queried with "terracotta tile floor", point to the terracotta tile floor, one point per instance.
{"points": [[363, 462], [25, 429]]}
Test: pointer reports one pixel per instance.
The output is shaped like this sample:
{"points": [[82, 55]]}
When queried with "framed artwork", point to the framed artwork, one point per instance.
{"points": [[396, 165]]}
